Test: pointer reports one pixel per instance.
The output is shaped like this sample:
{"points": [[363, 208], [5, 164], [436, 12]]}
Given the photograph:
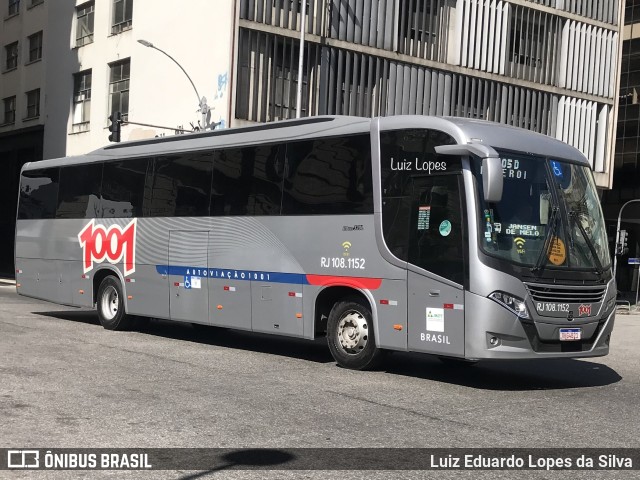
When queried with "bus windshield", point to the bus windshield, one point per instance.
{"points": [[549, 215]]}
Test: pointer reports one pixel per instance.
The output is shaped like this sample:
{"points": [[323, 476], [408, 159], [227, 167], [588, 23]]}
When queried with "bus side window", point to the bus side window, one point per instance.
{"points": [[181, 186], [229, 194], [79, 195], [396, 212], [123, 188], [39, 194], [247, 181], [266, 168], [328, 176]]}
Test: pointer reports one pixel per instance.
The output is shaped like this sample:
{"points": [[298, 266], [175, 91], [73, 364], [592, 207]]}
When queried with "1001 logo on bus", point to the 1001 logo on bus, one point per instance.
{"points": [[113, 244]]}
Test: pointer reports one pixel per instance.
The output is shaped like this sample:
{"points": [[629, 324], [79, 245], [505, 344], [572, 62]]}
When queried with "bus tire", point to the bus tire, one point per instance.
{"points": [[350, 336], [110, 304]]}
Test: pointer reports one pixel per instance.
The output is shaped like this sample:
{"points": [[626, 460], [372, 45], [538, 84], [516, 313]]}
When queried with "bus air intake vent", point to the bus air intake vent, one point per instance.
{"points": [[566, 293]]}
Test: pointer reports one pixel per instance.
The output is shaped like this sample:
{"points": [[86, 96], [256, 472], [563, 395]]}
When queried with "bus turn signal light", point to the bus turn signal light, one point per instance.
{"points": [[397, 326]]}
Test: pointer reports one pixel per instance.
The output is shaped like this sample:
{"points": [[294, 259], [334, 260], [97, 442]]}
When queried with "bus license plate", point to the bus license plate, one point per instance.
{"points": [[570, 334]]}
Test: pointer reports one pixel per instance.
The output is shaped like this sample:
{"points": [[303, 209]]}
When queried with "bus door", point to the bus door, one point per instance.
{"points": [[436, 266], [189, 297]]}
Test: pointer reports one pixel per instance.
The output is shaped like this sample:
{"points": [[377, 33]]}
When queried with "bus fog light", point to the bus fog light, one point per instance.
{"points": [[494, 341], [512, 303]]}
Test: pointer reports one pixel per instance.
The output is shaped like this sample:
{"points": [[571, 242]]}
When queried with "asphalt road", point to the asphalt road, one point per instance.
{"points": [[67, 382]]}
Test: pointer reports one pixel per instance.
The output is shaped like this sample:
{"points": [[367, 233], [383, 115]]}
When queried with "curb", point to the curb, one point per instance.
{"points": [[6, 282]]}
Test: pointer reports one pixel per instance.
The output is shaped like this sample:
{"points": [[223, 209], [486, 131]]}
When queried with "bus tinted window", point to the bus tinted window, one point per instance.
{"points": [[408, 153], [229, 191], [267, 166], [328, 176], [123, 188], [38, 194], [181, 186], [247, 181], [436, 233], [79, 195]]}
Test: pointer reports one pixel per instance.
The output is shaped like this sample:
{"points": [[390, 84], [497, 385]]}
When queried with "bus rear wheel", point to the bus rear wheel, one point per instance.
{"points": [[350, 336], [110, 303]]}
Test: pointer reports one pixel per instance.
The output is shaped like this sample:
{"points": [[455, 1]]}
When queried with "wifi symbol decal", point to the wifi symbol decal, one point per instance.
{"points": [[346, 246], [520, 242]]}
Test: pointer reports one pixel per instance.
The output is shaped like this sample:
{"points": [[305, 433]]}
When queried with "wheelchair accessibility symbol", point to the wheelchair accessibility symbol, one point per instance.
{"points": [[187, 282]]}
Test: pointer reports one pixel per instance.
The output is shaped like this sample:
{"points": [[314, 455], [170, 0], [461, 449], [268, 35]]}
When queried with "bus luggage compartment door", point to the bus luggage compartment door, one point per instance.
{"points": [[189, 292]]}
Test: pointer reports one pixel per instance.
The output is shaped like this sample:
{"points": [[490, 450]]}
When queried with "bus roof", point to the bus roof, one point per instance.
{"points": [[463, 130]]}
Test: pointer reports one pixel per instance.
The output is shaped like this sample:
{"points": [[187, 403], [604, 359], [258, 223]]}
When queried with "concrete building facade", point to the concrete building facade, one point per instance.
{"points": [[101, 68], [546, 65], [23, 34], [626, 161]]}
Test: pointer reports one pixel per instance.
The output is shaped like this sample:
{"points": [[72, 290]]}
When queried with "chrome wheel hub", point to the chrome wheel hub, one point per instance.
{"points": [[109, 303], [353, 332]]}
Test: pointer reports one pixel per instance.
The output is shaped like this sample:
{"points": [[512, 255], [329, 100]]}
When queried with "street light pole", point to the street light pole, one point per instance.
{"points": [[202, 101]]}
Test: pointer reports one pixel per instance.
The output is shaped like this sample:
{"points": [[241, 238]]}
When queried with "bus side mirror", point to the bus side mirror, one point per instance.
{"points": [[492, 176], [492, 179]]}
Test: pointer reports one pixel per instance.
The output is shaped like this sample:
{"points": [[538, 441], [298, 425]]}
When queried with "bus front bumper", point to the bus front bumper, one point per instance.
{"points": [[493, 332]]}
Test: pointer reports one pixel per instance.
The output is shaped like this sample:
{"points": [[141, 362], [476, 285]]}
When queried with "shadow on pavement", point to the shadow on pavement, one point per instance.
{"points": [[80, 316], [313, 351], [509, 375], [544, 374], [250, 459]]}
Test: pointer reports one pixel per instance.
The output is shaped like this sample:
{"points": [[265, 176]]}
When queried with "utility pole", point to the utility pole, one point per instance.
{"points": [[615, 256]]}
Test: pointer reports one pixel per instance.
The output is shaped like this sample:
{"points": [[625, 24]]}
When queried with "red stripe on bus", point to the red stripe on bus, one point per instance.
{"points": [[358, 282]]}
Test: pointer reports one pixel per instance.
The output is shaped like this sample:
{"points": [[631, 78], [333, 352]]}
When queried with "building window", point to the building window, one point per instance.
{"points": [[11, 52], [119, 87], [35, 47], [35, 2], [84, 32], [14, 7], [122, 13], [81, 97], [9, 110], [33, 103]]}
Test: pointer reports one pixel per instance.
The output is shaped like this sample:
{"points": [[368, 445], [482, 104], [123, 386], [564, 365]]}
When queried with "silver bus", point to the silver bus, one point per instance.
{"points": [[459, 238]]}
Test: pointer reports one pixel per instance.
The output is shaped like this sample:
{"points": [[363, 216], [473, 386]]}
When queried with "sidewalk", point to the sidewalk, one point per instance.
{"points": [[633, 312]]}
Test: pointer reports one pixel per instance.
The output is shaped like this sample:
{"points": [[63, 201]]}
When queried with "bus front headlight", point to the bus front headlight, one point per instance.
{"points": [[512, 303]]}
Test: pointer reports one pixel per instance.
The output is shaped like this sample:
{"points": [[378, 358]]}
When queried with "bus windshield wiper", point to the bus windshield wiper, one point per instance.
{"points": [[573, 215], [547, 240]]}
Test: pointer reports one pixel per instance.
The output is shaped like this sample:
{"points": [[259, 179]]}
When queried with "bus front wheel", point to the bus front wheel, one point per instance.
{"points": [[110, 303], [350, 336]]}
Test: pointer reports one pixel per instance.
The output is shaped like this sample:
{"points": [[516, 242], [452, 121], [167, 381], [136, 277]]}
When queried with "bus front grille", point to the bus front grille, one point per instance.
{"points": [[566, 294]]}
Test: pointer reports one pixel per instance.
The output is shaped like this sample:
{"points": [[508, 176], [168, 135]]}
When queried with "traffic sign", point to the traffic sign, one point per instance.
{"points": [[634, 261]]}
